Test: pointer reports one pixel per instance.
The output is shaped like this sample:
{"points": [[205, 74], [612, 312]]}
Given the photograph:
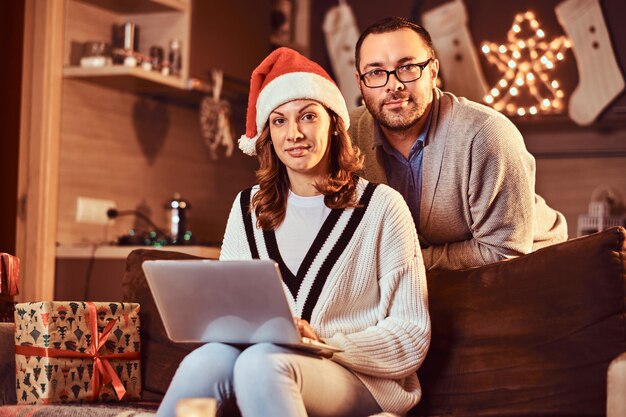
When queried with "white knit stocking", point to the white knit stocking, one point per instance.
{"points": [[341, 35], [600, 79], [455, 50]]}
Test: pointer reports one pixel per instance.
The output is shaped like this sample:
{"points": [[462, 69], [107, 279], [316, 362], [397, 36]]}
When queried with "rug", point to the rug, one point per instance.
{"points": [[80, 410]]}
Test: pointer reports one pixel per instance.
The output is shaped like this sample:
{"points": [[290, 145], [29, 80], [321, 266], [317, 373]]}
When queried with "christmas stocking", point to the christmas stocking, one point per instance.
{"points": [[600, 79], [341, 35], [455, 50]]}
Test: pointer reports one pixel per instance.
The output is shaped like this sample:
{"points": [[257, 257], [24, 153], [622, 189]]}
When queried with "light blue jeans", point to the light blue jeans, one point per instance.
{"points": [[268, 380]]}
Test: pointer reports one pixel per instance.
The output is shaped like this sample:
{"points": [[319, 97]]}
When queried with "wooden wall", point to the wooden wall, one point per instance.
{"points": [[567, 184], [139, 151], [573, 162]]}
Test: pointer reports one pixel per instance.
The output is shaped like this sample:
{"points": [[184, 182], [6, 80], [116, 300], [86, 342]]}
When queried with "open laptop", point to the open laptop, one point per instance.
{"points": [[238, 302]]}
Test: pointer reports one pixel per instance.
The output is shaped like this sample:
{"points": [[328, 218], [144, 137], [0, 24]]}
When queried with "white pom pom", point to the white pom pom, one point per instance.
{"points": [[248, 145]]}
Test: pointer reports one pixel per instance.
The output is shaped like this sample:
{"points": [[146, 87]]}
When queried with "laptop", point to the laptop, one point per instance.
{"points": [[236, 302]]}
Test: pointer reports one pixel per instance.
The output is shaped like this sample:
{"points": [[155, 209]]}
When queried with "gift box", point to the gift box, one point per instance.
{"points": [[9, 277], [77, 352], [9, 274]]}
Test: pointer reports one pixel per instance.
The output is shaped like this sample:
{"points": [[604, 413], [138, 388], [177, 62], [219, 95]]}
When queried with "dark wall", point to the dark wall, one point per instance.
{"points": [[366, 12], [485, 22], [11, 31], [232, 36]]}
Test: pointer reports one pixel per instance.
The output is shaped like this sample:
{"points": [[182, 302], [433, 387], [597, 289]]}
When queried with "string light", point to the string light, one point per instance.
{"points": [[525, 63]]}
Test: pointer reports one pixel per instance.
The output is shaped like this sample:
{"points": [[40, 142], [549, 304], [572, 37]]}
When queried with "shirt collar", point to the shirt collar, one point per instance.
{"points": [[380, 140]]}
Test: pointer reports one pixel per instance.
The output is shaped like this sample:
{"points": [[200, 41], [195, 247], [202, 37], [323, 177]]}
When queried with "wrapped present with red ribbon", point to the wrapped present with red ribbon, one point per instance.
{"points": [[9, 278], [75, 351]]}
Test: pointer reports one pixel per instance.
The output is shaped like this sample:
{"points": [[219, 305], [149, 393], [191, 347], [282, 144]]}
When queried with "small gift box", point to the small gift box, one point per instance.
{"points": [[9, 274], [77, 352], [9, 277]]}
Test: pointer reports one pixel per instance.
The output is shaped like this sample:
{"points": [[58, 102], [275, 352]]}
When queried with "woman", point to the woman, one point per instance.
{"points": [[349, 258]]}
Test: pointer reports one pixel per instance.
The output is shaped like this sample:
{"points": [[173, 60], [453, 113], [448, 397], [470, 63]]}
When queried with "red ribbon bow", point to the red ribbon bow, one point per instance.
{"points": [[102, 367]]}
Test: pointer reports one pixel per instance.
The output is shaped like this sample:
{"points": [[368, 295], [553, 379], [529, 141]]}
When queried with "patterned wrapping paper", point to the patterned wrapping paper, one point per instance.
{"points": [[74, 351]]}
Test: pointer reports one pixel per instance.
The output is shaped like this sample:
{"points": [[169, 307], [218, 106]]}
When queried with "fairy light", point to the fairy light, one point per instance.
{"points": [[526, 62]]}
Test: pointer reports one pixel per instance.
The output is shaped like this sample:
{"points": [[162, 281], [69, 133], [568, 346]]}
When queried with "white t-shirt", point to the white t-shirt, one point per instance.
{"points": [[303, 220]]}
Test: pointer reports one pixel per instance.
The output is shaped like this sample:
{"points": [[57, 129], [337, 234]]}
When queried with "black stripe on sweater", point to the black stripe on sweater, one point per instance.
{"points": [[292, 281], [244, 201], [337, 250], [272, 251]]}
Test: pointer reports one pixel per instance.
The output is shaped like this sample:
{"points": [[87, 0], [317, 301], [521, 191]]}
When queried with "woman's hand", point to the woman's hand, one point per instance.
{"points": [[305, 329]]}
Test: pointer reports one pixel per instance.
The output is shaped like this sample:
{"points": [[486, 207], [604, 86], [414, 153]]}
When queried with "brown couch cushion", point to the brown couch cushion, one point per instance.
{"points": [[7, 364], [531, 335], [159, 356]]}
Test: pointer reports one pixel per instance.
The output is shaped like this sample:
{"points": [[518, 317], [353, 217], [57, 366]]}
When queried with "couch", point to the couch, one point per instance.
{"points": [[530, 336]]}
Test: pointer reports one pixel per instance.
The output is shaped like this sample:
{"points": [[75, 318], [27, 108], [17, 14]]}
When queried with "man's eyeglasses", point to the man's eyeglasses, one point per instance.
{"points": [[406, 73]]}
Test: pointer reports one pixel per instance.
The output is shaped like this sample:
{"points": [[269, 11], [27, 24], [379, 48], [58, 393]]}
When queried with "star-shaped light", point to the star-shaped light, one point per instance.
{"points": [[525, 63]]}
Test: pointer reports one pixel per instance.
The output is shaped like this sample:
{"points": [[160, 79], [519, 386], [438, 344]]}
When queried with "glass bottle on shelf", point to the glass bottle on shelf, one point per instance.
{"points": [[175, 58]]}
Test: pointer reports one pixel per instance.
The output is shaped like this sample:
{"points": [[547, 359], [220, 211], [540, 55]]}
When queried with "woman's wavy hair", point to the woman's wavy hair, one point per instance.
{"points": [[338, 187]]}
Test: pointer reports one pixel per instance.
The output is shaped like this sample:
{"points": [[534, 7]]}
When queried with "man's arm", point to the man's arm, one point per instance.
{"points": [[501, 201]]}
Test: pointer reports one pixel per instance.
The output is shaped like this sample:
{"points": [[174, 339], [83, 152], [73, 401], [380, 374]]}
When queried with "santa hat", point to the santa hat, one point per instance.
{"points": [[283, 76]]}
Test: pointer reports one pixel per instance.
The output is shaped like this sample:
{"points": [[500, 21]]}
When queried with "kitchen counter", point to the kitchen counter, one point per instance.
{"points": [[121, 252], [95, 273]]}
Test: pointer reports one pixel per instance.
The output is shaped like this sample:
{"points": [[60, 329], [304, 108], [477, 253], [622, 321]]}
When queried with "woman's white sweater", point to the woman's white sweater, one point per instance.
{"points": [[362, 286]]}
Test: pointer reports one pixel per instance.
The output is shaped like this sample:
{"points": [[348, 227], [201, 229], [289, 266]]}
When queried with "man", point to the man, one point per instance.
{"points": [[462, 167]]}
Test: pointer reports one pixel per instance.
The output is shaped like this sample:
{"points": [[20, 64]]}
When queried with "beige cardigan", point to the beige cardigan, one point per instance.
{"points": [[478, 201]]}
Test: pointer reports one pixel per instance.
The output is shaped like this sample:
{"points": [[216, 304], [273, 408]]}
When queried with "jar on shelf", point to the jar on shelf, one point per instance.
{"points": [[175, 57], [95, 55]]}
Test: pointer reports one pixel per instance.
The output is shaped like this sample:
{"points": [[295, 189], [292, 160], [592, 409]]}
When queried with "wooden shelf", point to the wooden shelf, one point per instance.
{"points": [[612, 119], [140, 6], [139, 81], [159, 22], [129, 78]]}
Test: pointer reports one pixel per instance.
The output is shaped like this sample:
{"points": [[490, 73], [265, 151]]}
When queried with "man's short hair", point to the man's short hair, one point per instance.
{"points": [[391, 24]]}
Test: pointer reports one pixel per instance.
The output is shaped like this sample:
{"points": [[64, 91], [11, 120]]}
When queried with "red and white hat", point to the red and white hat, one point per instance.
{"points": [[283, 76]]}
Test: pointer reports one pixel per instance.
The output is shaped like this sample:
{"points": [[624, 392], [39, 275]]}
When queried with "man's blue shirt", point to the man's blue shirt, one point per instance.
{"points": [[405, 174]]}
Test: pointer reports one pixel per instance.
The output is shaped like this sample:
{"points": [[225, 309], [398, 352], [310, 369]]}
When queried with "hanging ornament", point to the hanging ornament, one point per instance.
{"points": [[600, 79], [215, 124], [527, 63], [341, 33], [452, 40]]}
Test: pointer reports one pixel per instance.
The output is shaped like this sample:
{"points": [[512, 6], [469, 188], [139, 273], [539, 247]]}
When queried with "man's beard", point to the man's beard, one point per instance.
{"points": [[396, 119]]}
